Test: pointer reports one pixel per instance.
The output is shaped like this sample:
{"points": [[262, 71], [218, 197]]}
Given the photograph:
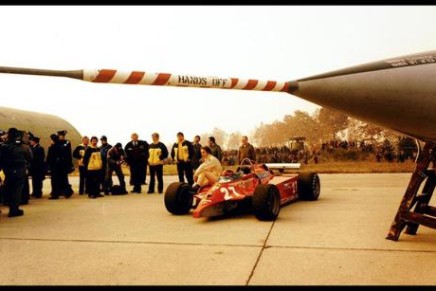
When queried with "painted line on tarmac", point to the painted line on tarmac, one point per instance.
{"points": [[264, 246], [127, 242], [350, 249]]}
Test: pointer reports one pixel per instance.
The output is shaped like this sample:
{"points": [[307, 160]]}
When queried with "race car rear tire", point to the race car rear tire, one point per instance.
{"points": [[266, 202], [178, 198], [309, 186]]}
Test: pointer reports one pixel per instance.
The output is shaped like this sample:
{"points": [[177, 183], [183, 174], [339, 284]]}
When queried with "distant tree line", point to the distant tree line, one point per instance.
{"points": [[324, 129]]}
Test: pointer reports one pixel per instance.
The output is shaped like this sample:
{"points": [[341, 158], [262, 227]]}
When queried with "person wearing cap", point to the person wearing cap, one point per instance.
{"points": [[37, 166], [115, 158], [62, 139], [158, 152], [105, 180], [69, 153], [93, 164], [182, 153], [137, 157], [14, 160], [79, 154]]}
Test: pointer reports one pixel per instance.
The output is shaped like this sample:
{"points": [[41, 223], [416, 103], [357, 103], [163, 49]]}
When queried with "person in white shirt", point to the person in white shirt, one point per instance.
{"points": [[209, 170]]}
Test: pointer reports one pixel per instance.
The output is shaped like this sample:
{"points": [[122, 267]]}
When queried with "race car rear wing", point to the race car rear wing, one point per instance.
{"points": [[283, 166]]}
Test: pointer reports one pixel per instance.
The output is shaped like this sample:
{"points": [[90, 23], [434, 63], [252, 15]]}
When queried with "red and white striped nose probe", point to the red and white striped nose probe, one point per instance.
{"points": [[159, 79]]}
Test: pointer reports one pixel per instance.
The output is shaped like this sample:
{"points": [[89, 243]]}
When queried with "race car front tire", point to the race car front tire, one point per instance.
{"points": [[309, 186], [178, 198], [266, 202]]}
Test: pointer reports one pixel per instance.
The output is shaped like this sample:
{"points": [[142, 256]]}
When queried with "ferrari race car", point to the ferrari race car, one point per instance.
{"points": [[252, 185]]}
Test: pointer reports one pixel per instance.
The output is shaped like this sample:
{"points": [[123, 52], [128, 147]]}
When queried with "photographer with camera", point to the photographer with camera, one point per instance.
{"points": [[115, 158]]}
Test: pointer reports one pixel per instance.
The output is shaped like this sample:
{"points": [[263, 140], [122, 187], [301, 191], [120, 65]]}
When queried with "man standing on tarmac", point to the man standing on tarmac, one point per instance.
{"points": [[37, 167], [23, 140], [104, 148], [93, 165], [67, 163], [14, 160], [79, 154], [136, 157], [196, 157], [59, 164], [158, 153], [182, 153]]}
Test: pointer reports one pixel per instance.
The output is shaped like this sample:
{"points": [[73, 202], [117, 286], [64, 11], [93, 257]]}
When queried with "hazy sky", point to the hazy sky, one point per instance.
{"points": [[261, 42]]}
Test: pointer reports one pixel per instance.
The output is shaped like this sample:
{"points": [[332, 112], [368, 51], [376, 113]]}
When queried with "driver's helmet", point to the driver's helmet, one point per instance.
{"points": [[227, 173], [244, 169]]}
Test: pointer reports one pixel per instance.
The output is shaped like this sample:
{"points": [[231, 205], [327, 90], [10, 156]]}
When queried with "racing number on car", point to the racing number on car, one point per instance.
{"points": [[229, 194]]}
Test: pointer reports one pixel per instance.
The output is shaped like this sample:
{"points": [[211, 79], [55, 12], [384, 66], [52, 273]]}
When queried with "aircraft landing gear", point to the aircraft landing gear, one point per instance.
{"points": [[423, 213]]}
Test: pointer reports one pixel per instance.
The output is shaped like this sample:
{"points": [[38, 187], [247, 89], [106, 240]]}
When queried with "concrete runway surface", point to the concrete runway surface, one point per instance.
{"points": [[133, 240]]}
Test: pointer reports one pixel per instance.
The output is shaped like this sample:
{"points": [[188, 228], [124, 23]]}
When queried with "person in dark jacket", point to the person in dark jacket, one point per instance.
{"points": [[22, 140], [216, 149], [79, 154], [115, 158], [3, 138], [158, 152], [182, 153], [104, 148], [58, 166], [54, 167], [37, 167], [136, 157], [14, 160], [67, 152], [67, 163], [196, 157], [93, 165], [246, 150]]}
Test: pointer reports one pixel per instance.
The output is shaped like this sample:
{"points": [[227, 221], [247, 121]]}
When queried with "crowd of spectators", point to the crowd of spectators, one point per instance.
{"points": [[384, 151]]}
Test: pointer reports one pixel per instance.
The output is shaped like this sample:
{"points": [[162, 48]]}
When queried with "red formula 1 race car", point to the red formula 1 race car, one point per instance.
{"points": [[252, 185]]}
